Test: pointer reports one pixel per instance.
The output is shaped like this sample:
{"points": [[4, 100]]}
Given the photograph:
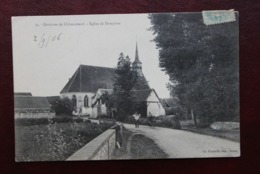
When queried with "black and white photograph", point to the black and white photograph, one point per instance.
{"points": [[126, 86]]}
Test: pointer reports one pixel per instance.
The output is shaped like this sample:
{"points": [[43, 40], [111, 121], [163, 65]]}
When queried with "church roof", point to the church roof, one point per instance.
{"points": [[91, 78], [29, 102], [22, 94], [168, 102]]}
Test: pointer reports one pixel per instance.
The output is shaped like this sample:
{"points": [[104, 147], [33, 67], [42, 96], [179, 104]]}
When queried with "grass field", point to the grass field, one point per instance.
{"points": [[233, 135], [143, 147], [53, 142], [140, 147], [121, 153]]}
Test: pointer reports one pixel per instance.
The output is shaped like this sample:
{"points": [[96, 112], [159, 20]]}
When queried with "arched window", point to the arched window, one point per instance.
{"points": [[74, 100], [86, 101]]}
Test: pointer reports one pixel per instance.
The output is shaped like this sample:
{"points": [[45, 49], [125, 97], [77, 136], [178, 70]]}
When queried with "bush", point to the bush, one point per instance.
{"points": [[106, 123], [44, 121], [202, 125], [53, 141], [104, 116], [31, 121], [170, 121], [130, 120], [63, 106], [62, 119], [67, 119], [143, 121]]}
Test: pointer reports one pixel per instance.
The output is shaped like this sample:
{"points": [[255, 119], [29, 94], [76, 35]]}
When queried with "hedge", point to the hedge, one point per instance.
{"points": [[44, 121]]}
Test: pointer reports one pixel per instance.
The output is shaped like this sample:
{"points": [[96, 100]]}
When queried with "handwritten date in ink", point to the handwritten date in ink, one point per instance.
{"points": [[45, 39]]}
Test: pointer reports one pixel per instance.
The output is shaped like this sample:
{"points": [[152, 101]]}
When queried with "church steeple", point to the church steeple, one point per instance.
{"points": [[136, 55], [137, 64]]}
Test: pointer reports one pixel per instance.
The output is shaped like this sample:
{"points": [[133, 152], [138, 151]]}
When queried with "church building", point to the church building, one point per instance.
{"points": [[88, 83]]}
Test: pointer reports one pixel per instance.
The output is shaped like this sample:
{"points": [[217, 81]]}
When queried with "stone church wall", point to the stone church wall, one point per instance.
{"points": [[80, 101]]}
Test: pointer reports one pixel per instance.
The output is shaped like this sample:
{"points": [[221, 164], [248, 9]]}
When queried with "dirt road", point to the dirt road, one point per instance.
{"points": [[184, 144]]}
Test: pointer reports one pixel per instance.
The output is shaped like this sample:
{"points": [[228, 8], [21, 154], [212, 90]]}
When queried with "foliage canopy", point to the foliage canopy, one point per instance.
{"points": [[63, 106], [124, 83], [202, 62]]}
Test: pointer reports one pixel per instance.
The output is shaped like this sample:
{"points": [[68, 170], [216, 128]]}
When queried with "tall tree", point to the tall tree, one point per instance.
{"points": [[202, 62], [125, 80]]}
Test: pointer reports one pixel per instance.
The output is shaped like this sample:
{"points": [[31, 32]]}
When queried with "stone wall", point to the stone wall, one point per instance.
{"points": [[106, 149], [100, 148]]}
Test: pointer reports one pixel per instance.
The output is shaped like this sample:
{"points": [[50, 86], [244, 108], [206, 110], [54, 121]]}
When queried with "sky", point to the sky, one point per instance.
{"points": [[47, 50]]}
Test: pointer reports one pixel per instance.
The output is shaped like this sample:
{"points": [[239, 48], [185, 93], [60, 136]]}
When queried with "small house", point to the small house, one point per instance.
{"points": [[26, 106]]}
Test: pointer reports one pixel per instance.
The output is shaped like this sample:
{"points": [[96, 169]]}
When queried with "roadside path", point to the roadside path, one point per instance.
{"points": [[185, 144]]}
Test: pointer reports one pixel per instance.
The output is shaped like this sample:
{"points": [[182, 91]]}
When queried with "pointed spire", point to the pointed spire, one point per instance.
{"points": [[137, 64], [136, 55], [80, 78]]}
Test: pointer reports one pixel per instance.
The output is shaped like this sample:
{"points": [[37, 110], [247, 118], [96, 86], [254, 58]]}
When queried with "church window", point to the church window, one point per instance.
{"points": [[86, 101]]}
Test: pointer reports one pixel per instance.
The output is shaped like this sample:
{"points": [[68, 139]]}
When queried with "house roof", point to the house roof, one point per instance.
{"points": [[143, 94], [28, 102], [168, 102], [90, 78], [22, 94], [52, 99]]}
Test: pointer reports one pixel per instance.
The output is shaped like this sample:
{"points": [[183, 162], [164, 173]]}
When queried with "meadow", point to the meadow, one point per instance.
{"points": [[54, 141]]}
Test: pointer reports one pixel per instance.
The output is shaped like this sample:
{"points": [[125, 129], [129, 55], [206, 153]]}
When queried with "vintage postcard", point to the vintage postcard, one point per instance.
{"points": [[126, 86]]}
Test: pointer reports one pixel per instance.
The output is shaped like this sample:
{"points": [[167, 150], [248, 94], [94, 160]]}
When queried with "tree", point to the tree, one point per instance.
{"points": [[63, 106], [124, 82], [109, 101], [202, 62]]}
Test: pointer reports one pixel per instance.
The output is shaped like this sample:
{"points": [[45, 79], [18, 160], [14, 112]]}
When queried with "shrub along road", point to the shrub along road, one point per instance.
{"points": [[184, 144]]}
